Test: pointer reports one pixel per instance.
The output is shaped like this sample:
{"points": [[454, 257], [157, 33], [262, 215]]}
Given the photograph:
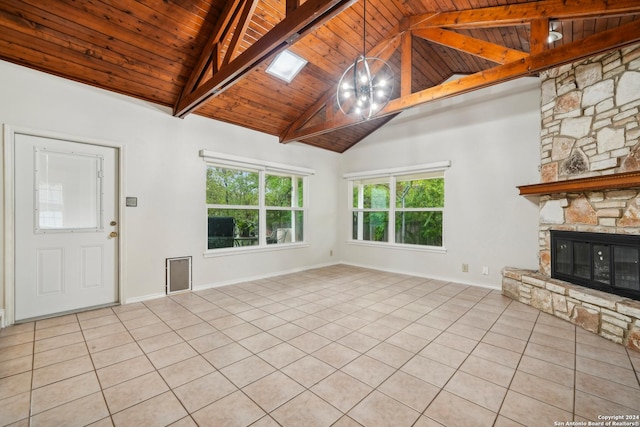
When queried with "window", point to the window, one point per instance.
{"points": [[371, 209], [284, 196], [232, 207], [419, 209], [399, 206], [252, 204]]}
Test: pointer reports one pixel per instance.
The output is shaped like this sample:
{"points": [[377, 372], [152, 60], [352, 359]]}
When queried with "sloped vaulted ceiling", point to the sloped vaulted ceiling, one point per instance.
{"points": [[208, 57]]}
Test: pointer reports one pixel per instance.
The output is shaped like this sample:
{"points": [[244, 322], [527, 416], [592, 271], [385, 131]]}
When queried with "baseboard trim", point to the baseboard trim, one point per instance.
{"points": [[414, 274], [205, 286], [143, 298], [260, 277]]}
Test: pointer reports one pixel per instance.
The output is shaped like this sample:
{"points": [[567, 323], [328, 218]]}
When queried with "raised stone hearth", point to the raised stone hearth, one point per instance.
{"points": [[610, 316]]}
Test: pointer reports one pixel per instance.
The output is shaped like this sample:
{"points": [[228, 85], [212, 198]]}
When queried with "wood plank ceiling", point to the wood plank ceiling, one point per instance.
{"points": [[208, 57]]}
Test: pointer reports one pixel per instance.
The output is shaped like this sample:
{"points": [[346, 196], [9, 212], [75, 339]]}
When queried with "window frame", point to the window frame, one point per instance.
{"points": [[263, 168], [294, 208], [391, 176]]}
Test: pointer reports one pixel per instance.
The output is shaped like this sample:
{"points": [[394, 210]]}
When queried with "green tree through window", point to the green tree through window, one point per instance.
{"points": [[233, 196], [416, 215], [422, 227]]}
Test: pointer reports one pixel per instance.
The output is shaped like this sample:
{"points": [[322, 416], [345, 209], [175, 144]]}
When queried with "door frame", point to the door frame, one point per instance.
{"points": [[9, 133]]}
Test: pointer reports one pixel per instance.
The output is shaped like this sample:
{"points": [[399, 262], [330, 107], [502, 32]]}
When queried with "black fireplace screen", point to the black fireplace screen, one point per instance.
{"points": [[607, 262]]}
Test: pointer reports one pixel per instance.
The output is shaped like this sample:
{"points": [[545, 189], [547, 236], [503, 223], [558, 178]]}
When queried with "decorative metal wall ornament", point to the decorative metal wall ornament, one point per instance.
{"points": [[365, 87]]}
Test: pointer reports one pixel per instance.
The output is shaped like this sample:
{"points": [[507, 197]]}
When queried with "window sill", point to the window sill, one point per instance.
{"points": [[385, 245], [253, 249]]}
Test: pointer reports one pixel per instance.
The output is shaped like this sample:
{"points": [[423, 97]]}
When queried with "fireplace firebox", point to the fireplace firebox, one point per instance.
{"points": [[607, 262]]}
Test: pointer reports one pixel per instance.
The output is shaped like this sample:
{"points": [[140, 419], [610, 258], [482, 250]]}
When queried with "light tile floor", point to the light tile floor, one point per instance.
{"points": [[336, 346]]}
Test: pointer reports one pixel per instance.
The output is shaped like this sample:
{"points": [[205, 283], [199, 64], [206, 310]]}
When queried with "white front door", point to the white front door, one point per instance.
{"points": [[66, 223]]}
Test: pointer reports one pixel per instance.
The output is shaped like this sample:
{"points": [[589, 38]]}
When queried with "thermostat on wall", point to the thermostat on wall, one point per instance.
{"points": [[132, 202]]}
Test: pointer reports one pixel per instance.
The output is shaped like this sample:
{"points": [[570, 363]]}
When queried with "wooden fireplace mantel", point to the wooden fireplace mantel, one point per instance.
{"points": [[594, 183]]}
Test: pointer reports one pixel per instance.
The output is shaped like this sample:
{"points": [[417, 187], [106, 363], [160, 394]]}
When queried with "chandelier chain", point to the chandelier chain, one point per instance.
{"points": [[364, 28]]}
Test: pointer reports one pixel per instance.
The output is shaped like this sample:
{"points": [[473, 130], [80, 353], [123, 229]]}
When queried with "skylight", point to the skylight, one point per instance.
{"points": [[286, 66]]}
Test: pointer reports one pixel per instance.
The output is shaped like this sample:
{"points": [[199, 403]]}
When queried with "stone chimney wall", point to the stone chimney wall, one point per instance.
{"points": [[590, 126]]}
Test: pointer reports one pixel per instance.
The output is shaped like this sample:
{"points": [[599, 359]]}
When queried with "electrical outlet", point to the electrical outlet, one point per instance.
{"points": [[485, 271], [465, 268]]}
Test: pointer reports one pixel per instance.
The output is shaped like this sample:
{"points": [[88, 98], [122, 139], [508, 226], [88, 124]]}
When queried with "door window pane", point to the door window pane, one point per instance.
{"points": [[68, 188]]}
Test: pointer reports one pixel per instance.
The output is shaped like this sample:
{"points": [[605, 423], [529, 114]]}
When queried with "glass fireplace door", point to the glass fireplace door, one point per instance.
{"points": [[626, 266], [601, 264], [604, 261]]}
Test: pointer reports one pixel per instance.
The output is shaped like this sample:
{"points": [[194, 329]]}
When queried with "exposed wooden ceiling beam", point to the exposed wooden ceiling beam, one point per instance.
{"points": [[303, 19], [521, 13], [538, 34], [483, 49], [291, 5], [240, 30], [210, 52], [592, 45], [406, 58]]}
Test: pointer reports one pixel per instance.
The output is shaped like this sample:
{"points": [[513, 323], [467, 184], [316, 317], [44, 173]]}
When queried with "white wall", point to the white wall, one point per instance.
{"points": [[492, 138], [163, 169]]}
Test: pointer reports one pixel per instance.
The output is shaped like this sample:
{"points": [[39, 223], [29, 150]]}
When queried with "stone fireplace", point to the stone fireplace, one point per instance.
{"points": [[589, 183]]}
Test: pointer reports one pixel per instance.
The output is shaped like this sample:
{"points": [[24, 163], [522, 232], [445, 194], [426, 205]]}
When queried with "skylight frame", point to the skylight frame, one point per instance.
{"points": [[283, 70]]}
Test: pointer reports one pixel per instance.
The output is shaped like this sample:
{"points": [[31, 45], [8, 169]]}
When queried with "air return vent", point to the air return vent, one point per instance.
{"points": [[178, 274]]}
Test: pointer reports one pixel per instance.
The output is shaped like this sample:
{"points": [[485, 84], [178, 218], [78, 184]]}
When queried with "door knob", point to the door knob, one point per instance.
{"points": [[113, 234]]}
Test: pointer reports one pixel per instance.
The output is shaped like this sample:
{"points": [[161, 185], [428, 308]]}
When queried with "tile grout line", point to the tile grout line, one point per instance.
{"points": [[95, 371], [450, 297], [517, 366], [156, 370], [189, 414], [239, 389], [458, 369], [336, 369], [325, 290]]}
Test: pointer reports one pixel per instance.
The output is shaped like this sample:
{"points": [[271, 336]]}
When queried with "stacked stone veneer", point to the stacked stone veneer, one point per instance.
{"points": [[610, 316], [590, 126]]}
